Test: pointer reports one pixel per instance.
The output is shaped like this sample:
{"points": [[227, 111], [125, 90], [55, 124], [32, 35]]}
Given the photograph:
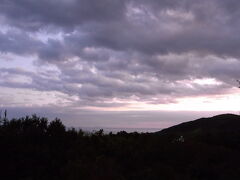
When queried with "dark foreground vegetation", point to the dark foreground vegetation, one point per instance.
{"points": [[32, 148]]}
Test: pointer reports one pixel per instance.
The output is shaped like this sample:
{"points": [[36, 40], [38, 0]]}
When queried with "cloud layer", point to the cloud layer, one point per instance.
{"points": [[118, 53]]}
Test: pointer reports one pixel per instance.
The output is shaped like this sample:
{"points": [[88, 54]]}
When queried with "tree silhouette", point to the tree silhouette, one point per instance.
{"points": [[34, 148], [56, 128]]}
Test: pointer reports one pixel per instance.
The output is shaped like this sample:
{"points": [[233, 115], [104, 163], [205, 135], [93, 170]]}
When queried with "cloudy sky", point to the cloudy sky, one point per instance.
{"points": [[120, 63]]}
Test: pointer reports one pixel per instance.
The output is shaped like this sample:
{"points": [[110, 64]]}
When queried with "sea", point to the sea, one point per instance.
{"points": [[107, 130]]}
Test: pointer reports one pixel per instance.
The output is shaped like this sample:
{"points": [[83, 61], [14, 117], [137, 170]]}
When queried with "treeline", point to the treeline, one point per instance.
{"points": [[33, 148]]}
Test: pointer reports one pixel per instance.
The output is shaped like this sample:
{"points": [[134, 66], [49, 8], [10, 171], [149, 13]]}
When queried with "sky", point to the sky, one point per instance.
{"points": [[120, 63]]}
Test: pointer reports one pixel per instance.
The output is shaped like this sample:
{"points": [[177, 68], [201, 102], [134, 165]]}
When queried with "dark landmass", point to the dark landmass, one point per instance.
{"points": [[32, 148]]}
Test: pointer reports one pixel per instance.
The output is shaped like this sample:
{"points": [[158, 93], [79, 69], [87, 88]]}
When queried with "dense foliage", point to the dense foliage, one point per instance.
{"points": [[32, 149]]}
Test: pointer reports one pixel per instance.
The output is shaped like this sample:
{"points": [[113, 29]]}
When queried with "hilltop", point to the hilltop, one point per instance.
{"points": [[222, 130], [220, 123]]}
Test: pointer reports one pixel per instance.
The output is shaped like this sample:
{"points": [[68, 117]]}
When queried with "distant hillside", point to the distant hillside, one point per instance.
{"points": [[219, 123], [221, 130]]}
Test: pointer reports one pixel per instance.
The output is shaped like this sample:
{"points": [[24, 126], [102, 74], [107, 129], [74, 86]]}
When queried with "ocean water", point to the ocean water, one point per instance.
{"points": [[116, 130]]}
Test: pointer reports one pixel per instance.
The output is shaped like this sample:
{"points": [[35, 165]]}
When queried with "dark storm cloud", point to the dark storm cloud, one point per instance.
{"points": [[18, 43], [125, 49], [33, 15], [165, 27], [150, 27]]}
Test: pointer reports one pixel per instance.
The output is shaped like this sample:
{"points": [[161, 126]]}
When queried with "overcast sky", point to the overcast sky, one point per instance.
{"points": [[120, 63]]}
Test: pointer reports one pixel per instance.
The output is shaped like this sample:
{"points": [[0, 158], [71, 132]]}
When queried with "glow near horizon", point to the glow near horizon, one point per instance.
{"points": [[22, 97], [197, 103], [32, 98]]}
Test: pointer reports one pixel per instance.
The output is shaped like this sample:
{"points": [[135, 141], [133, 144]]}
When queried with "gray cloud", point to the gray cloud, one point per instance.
{"points": [[18, 43], [33, 15], [126, 50]]}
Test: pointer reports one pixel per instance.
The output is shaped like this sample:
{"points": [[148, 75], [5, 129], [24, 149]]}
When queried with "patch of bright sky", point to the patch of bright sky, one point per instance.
{"points": [[30, 98], [4, 28], [207, 81], [180, 15], [44, 36], [225, 102], [9, 60], [27, 63], [201, 82], [18, 79]]}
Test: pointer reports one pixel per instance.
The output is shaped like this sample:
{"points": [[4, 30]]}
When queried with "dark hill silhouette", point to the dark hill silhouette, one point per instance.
{"points": [[221, 130], [219, 123]]}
